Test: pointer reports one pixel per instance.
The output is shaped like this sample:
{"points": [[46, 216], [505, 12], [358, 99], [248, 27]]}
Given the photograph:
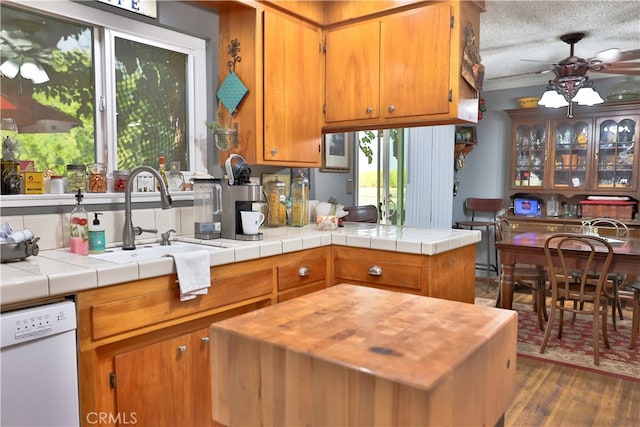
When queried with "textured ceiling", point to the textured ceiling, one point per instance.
{"points": [[514, 35]]}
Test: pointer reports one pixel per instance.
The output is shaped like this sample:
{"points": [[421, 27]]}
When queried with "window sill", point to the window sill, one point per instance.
{"points": [[68, 199]]}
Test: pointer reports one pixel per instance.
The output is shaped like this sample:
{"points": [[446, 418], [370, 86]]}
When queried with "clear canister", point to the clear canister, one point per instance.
{"points": [[120, 181], [76, 178], [97, 179], [276, 197], [299, 200]]}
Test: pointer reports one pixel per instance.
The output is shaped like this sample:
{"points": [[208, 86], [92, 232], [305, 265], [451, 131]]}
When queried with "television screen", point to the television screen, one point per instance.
{"points": [[526, 207]]}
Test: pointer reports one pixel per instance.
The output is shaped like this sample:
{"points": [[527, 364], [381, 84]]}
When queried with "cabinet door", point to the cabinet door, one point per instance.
{"points": [[571, 159], [530, 155], [616, 153], [153, 383], [352, 73], [414, 60], [292, 90], [201, 378]]}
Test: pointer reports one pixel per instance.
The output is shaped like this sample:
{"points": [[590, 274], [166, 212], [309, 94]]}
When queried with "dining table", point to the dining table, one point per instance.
{"points": [[528, 248]]}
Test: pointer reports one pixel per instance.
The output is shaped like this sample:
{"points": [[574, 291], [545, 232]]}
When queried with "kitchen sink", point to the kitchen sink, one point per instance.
{"points": [[150, 251]]}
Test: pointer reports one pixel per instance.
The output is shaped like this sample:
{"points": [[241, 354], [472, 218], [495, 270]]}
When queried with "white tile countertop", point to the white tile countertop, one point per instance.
{"points": [[59, 272]]}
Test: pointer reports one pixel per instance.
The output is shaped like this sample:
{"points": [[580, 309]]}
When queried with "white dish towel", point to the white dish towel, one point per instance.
{"points": [[193, 273]]}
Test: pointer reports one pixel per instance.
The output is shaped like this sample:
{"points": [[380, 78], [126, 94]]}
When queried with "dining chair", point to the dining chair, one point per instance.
{"points": [[364, 213], [610, 228], [635, 322], [489, 207], [533, 277], [587, 294]]}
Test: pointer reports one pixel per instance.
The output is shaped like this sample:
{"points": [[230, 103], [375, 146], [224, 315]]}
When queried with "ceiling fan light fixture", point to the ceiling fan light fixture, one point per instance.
{"points": [[552, 99], [588, 96]]}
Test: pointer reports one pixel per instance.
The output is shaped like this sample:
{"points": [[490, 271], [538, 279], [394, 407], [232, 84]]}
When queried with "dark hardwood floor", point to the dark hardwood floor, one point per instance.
{"points": [[558, 396]]}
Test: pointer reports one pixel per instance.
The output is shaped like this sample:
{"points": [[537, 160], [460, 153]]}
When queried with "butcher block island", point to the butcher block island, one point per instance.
{"points": [[357, 356]]}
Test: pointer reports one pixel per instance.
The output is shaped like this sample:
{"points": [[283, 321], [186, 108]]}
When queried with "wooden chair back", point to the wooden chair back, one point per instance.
{"points": [[562, 272], [585, 295], [474, 204], [607, 227]]}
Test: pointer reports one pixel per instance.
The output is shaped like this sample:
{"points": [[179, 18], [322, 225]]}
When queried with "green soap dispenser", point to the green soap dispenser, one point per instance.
{"points": [[96, 236]]}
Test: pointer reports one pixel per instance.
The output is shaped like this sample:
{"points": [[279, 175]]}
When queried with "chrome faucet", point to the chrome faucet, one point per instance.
{"points": [[128, 232]]}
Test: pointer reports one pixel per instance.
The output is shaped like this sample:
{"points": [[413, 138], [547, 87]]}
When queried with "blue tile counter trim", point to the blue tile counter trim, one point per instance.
{"points": [[59, 272]]}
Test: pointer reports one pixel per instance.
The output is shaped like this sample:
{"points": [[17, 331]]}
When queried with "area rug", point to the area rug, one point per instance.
{"points": [[575, 348]]}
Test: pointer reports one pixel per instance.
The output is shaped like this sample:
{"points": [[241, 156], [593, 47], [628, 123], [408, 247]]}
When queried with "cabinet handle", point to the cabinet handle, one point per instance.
{"points": [[392, 108], [274, 151], [205, 340], [303, 271], [182, 348], [369, 110], [375, 270]]}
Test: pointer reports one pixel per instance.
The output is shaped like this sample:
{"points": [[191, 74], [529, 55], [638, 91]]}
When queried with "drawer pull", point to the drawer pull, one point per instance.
{"points": [[303, 271], [205, 340], [369, 110], [375, 270], [182, 348]]}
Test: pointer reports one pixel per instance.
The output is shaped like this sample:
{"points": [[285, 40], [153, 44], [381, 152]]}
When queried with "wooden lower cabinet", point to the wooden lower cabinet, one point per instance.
{"points": [[179, 372], [560, 225], [143, 354], [442, 275]]}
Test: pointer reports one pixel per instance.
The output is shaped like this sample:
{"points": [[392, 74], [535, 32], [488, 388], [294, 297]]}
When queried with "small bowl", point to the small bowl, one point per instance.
{"points": [[530, 102]]}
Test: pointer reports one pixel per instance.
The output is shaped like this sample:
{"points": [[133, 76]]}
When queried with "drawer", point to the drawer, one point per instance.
{"points": [[159, 301], [378, 267], [301, 273]]}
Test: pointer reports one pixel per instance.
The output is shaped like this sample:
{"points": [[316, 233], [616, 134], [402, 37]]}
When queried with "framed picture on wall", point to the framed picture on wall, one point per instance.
{"points": [[335, 152]]}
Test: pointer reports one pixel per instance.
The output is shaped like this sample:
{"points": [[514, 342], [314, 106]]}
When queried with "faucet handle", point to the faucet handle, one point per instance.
{"points": [[165, 237], [139, 230]]}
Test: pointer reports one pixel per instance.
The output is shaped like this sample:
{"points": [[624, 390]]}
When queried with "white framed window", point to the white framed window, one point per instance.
{"points": [[116, 90]]}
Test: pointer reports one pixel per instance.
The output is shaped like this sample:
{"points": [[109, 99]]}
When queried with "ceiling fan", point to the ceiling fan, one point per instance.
{"points": [[610, 61]]}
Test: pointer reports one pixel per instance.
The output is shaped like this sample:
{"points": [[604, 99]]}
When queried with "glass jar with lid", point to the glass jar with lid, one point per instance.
{"points": [[97, 180], [76, 178], [276, 197], [120, 181], [299, 200]]}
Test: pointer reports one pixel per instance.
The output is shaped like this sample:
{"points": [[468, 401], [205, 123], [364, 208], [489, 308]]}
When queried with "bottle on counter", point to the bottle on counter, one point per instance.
{"points": [[299, 200], [79, 229], [163, 172], [96, 236]]}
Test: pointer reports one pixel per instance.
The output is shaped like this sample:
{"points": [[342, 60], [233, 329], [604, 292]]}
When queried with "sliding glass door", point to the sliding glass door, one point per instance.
{"points": [[381, 168]]}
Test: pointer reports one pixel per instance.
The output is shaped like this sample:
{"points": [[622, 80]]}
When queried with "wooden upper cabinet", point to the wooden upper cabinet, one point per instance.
{"points": [[400, 69], [352, 72], [280, 119], [414, 62], [292, 90]]}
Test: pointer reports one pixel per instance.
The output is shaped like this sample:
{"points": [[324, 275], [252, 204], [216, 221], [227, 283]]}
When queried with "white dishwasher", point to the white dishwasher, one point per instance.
{"points": [[39, 370]]}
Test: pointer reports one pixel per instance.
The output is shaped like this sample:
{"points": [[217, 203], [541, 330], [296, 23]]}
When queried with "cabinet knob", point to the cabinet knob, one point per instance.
{"points": [[182, 348], [205, 340], [375, 270], [369, 110], [392, 108], [303, 271], [274, 151]]}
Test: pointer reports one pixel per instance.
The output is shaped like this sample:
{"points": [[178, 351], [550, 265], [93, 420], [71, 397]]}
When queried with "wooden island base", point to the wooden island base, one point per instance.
{"points": [[358, 356]]}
